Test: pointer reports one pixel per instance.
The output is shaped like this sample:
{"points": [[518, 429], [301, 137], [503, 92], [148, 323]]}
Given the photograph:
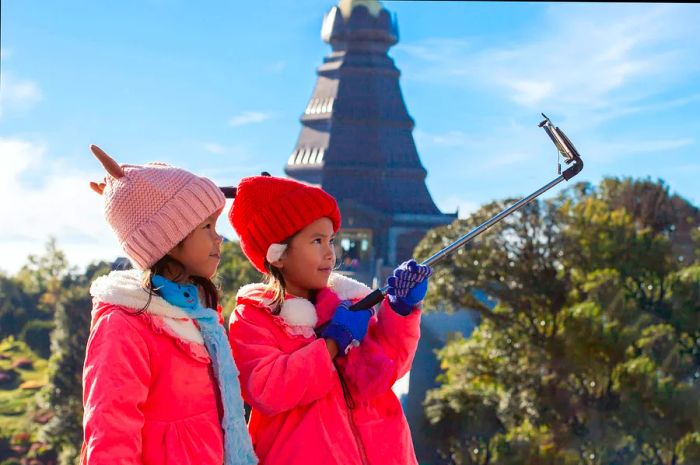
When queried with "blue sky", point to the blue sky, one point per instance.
{"points": [[218, 87]]}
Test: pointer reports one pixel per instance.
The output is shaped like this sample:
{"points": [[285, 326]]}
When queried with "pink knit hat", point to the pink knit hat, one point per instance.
{"points": [[153, 207]]}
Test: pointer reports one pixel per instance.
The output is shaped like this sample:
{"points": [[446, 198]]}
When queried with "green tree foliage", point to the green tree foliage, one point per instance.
{"points": [[62, 396], [58, 297], [16, 307], [36, 334], [32, 294], [46, 294], [591, 353], [234, 271], [43, 275]]}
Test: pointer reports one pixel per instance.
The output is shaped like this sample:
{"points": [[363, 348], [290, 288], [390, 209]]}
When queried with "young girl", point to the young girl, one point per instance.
{"points": [[159, 382], [318, 376]]}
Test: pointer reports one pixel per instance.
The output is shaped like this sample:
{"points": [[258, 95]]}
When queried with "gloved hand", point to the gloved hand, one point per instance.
{"points": [[347, 328], [407, 286]]}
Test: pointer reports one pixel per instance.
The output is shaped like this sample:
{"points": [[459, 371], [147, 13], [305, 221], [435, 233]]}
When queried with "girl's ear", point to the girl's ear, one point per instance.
{"points": [[276, 253], [279, 263]]}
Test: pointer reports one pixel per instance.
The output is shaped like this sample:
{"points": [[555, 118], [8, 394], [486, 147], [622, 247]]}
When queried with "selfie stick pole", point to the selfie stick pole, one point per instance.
{"points": [[565, 148]]}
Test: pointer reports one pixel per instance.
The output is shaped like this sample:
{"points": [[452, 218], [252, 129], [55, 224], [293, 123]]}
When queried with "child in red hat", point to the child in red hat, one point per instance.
{"points": [[318, 376], [159, 383]]}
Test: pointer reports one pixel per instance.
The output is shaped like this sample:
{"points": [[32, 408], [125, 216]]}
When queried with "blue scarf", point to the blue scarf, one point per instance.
{"points": [[238, 448]]}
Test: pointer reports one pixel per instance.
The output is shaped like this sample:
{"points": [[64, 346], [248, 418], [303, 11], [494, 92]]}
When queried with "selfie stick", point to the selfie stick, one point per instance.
{"points": [[566, 149]]}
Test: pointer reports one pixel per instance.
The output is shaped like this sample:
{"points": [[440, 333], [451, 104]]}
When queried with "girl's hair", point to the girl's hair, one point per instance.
{"points": [[168, 263], [274, 282]]}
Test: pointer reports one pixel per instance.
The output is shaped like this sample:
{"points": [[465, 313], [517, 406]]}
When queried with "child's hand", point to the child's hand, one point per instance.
{"points": [[407, 286], [347, 328]]}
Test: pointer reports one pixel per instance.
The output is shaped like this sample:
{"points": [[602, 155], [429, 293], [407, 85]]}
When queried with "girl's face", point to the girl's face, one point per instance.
{"points": [[200, 252], [309, 259]]}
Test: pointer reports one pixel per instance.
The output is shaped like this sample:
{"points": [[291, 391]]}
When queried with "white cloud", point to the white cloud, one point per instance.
{"points": [[590, 65], [614, 150], [17, 95], [213, 147], [249, 117], [44, 196], [512, 145], [590, 61], [522, 150]]}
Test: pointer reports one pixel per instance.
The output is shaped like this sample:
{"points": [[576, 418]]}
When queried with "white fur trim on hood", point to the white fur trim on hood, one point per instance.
{"points": [[300, 312], [347, 288], [123, 288]]}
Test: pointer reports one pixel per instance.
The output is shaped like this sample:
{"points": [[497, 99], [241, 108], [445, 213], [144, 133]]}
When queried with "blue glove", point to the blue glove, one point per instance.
{"points": [[347, 328], [407, 286]]}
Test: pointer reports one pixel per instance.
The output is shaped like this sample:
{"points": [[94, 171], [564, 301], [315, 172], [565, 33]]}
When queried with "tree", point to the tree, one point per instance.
{"points": [[16, 307], [43, 275], [37, 335], [62, 396], [31, 294], [234, 271], [590, 355]]}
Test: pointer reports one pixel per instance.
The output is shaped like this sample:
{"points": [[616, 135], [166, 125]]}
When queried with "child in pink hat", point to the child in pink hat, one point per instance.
{"points": [[317, 375], [159, 383]]}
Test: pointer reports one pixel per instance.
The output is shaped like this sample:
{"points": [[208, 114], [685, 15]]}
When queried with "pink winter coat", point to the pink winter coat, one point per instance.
{"points": [[300, 414], [149, 393]]}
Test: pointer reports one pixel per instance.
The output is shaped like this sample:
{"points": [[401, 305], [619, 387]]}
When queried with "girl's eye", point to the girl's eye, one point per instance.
{"points": [[207, 226], [316, 241], [332, 240]]}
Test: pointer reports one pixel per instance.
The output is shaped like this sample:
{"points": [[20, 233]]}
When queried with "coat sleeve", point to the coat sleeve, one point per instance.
{"points": [[116, 376], [274, 381], [397, 335]]}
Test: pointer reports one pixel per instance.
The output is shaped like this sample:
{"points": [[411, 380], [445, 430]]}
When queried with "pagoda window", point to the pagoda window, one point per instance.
{"points": [[319, 106], [354, 250]]}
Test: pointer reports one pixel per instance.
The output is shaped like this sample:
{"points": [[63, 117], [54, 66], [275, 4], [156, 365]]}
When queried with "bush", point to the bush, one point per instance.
{"points": [[9, 379], [11, 461], [37, 335]]}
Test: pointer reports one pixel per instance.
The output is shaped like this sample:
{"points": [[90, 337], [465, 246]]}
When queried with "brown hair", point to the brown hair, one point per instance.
{"points": [[274, 282]]}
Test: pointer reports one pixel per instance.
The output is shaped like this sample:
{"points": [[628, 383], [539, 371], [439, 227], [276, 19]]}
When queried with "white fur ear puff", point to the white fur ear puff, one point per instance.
{"points": [[274, 252]]}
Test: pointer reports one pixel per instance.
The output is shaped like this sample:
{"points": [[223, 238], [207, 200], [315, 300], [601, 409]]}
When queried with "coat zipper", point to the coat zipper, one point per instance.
{"points": [[358, 439], [353, 426]]}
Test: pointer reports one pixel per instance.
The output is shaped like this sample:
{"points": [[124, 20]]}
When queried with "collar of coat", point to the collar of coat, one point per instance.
{"points": [[300, 312], [123, 288]]}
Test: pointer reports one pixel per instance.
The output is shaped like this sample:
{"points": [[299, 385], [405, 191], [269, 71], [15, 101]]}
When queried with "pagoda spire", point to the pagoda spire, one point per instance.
{"points": [[356, 138], [346, 6]]}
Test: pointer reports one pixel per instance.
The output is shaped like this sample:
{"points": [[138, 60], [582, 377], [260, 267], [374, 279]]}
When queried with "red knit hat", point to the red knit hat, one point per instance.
{"points": [[267, 210]]}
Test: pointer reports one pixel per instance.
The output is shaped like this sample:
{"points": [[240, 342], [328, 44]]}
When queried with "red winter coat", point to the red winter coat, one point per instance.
{"points": [[149, 393], [299, 412]]}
